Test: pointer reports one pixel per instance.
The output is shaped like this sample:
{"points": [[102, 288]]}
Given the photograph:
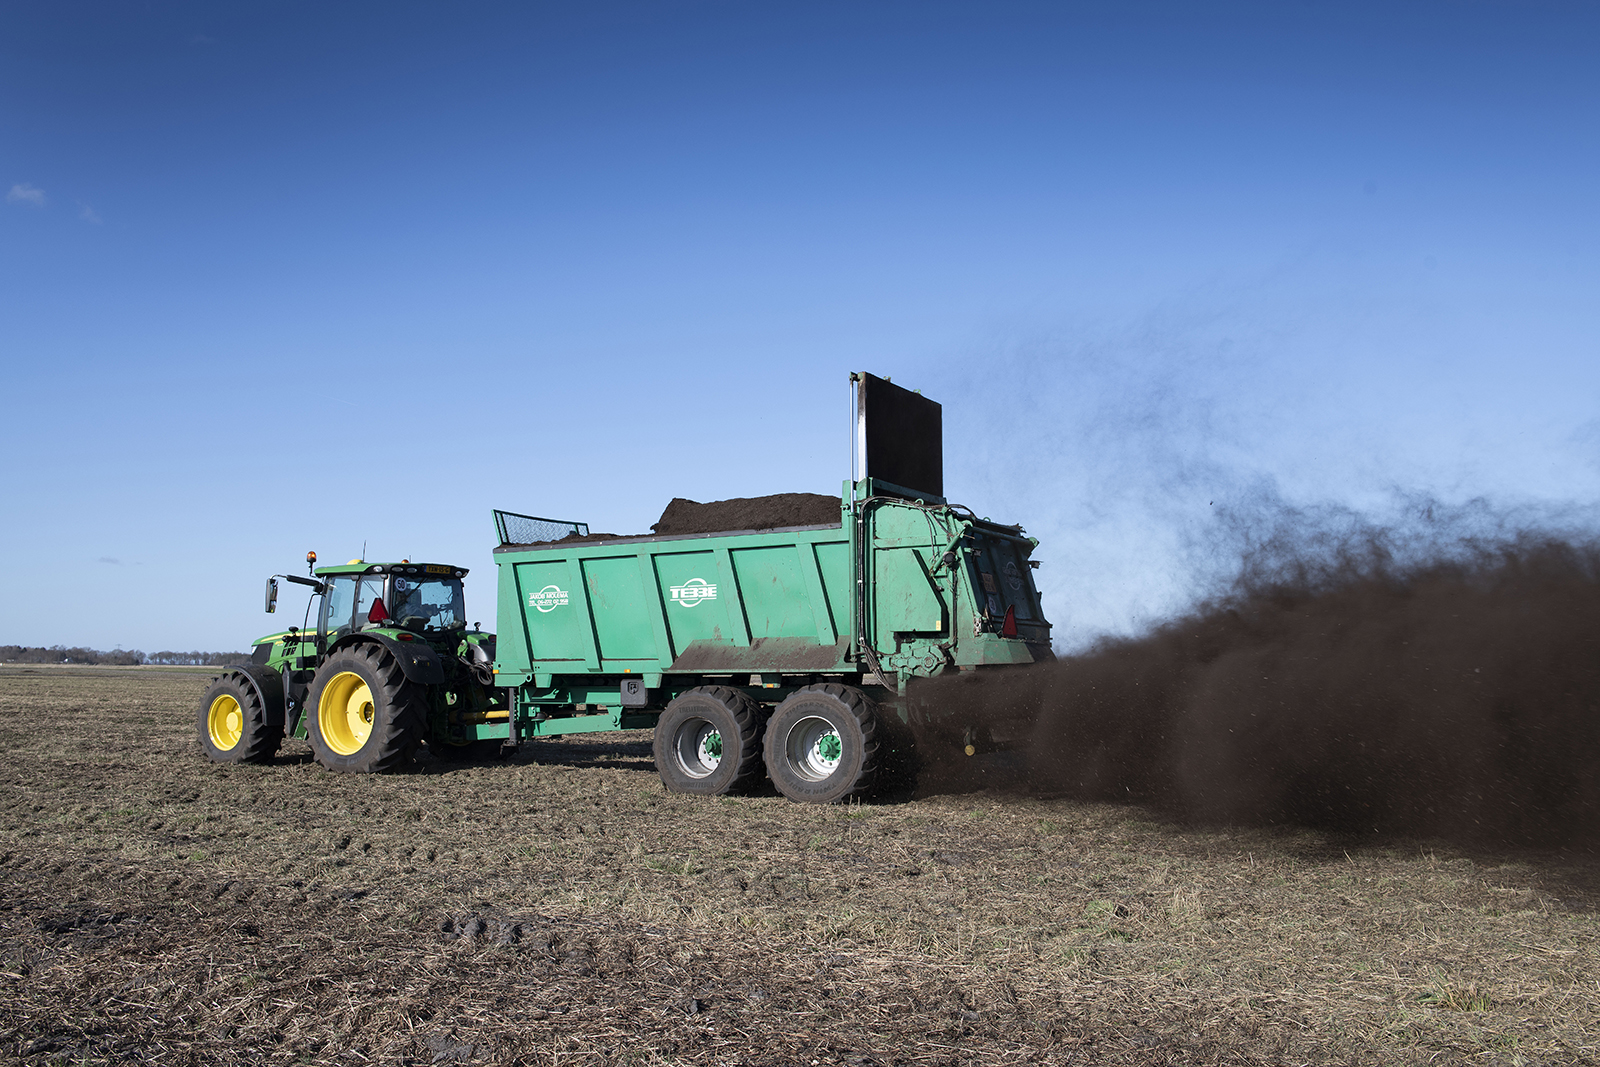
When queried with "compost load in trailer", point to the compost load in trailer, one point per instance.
{"points": [[748, 513], [773, 512]]}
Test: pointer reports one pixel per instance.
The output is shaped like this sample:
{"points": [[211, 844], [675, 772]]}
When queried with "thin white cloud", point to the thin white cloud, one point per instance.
{"points": [[88, 214], [23, 193]]}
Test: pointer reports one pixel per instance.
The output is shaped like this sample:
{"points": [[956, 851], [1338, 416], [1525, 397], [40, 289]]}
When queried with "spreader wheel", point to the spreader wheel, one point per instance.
{"points": [[708, 741], [233, 725], [363, 716], [822, 745]]}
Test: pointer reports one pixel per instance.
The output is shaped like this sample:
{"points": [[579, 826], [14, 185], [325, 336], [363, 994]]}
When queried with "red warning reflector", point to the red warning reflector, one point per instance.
{"points": [[1009, 627], [378, 613]]}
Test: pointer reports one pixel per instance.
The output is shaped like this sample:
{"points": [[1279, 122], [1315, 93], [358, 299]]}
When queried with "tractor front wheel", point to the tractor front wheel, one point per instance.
{"points": [[708, 741], [364, 717], [822, 745], [233, 725]]}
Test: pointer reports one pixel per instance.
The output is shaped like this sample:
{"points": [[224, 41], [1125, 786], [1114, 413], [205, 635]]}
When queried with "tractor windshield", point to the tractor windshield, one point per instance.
{"points": [[428, 603]]}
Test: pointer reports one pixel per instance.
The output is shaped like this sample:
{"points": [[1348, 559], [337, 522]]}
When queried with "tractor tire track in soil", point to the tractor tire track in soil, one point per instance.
{"points": [[560, 907]]}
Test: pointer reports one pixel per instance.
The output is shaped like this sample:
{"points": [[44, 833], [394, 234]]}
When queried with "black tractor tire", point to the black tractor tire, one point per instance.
{"points": [[822, 745], [362, 716], [708, 742], [233, 724]]}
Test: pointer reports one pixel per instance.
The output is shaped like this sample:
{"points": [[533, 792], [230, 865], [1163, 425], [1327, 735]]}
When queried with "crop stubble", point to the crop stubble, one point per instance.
{"points": [[562, 908]]}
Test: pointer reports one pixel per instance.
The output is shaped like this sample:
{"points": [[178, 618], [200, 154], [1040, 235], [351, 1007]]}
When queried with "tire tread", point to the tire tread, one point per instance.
{"points": [[747, 716], [865, 712], [398, 734], [260, 740]]}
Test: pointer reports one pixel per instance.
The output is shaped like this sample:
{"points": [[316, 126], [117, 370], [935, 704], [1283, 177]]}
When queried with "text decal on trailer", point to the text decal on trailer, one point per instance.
{"points": [[690, 593], [548, 599]]}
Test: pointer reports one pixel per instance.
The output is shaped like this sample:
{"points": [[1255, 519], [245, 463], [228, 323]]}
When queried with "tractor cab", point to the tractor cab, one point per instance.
{"points": [[419, 598]]}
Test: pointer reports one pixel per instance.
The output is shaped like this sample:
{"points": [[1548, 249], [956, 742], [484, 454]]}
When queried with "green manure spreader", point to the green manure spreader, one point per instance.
{"points": [[789, 638], [780, 637]]}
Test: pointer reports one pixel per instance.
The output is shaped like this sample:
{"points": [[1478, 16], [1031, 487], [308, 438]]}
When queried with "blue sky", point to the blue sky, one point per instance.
{"points": [[287, 276]]}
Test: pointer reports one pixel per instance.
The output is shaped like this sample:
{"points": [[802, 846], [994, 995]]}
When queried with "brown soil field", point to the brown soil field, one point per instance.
{"points": [[561, 908]]}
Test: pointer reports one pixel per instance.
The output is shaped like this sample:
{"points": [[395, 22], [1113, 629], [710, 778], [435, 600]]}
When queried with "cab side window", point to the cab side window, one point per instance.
{"points": [[341, 606], [371, 589]]}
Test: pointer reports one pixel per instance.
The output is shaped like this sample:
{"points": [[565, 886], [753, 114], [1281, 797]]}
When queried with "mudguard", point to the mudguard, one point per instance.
{"points": [[268, 685], [417, 660], [479, 660]]}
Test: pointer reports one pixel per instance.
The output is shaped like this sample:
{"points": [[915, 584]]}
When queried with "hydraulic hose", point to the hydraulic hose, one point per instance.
{"points": [[863, 640]]}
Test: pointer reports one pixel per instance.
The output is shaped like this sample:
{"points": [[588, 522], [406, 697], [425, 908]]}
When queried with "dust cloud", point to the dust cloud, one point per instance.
{"points": [[1438, 676]]}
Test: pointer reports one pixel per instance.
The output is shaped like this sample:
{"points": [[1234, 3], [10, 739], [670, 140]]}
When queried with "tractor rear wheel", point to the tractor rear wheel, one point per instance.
{"points": [[822, 745], [708, 742], [363, 716], [233, 723]]}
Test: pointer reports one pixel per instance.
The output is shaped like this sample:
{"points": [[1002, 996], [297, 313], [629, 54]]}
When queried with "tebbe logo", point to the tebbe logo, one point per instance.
{"points": [[690, 593], [1013, 576], [548, 599]]}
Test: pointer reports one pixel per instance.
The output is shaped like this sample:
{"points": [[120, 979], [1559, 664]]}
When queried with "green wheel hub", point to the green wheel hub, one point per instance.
{"points": [[814, 748], [697, 746]]}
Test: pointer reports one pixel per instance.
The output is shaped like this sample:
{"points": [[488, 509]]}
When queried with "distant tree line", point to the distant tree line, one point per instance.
{"points": [[117, 657]]}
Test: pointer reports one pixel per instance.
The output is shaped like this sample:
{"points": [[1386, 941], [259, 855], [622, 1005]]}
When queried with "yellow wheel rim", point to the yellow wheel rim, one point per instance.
{"points": [[345, 713], [225, 722]]}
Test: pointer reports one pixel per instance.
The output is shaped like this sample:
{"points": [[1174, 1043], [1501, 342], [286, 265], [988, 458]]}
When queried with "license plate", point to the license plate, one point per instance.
{"points": [[431, 569]]}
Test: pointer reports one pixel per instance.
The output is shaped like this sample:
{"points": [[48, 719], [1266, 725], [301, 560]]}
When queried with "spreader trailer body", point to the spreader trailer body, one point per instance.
{"points": [[794, 653]]}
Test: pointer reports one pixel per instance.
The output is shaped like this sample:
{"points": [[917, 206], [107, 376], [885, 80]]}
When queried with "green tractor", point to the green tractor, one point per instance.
{"points": [[389, 666]]}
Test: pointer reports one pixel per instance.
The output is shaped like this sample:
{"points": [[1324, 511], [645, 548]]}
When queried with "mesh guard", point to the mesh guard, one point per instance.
{"points": [[517, 529]]}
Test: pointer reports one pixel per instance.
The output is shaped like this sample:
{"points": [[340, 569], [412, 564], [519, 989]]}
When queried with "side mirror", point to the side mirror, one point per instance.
{"points": [[272, 595]]}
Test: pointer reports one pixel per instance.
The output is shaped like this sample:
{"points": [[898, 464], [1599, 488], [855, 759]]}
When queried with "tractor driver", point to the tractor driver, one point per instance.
{"points": [[409, 607]]}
